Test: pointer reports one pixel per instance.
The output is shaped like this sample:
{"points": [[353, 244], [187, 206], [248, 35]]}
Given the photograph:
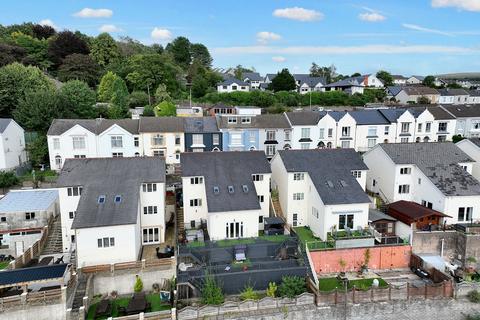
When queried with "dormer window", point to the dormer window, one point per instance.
{"points": [[232, 120], [101, 199], [246, 120]]}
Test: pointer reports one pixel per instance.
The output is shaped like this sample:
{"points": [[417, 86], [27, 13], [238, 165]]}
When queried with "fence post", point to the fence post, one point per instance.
{"points": [[64, 294], [426, 288], [143, 264], [23, 298], [141, 316], [174, 313], [389, 293], [353, 294], [336, 296], [112, 267], [408, 291], [81, 313]]}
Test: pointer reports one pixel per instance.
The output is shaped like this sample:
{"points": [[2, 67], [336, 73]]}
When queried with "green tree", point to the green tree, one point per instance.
{"points": [[7, 179], [271, 290], [429, 81], [329, 73], [109, 84], [138, 286], [104, 49], [284, 81], [385, 77], [148, 111], [201, 54], [179, 48], [292, 286], [79, 67], [43, 31], [211, 292], [137, 99], [77, 100], [10, 54], [423, 100], [64, 44], [38, 151], [36, 50], [165, 109], [457, 137], [15, 81], [161, 94], [248, 293], [37, 109]]}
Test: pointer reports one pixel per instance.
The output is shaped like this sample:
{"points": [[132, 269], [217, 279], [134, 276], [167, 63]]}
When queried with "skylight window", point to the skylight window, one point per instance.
{"points": [[216, 190], [101, 199], [329, 183], [231, 189], [245, 188], [118, 198]]}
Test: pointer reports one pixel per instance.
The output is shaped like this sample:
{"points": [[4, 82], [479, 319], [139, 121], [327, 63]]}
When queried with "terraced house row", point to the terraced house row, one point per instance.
{"points": [[167, 137]]}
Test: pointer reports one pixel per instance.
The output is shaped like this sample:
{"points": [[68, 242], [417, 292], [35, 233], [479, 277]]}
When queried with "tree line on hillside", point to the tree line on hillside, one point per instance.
{"points": [[45, 74]]}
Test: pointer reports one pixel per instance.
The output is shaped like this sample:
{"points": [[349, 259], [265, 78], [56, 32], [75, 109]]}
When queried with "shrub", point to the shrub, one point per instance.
{"points": [[248, 293], [291, 286], [474, 296], [211, 292], [138, 287], [272, 289]]}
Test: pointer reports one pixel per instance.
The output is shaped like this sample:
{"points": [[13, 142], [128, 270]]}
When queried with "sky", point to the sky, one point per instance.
{"points": [[404, 37]]}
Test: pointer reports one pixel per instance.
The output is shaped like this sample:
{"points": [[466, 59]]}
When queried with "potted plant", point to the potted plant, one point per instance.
{"points": [[471, 264], [366, 261], [343, 264]]}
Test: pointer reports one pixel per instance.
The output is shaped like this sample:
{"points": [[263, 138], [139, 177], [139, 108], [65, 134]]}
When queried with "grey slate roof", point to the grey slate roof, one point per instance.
{"points": [[439, 162], [28, 200], [161, 124], [230, 81], [200, 125], [304, 118], [475, 141], [437, 112], [420, 91], [453, 92], [223, 169], [375, 215], [12, 277], [262, 121], [394, 90], [365, 117], [109, 177], [399, 77], [348, 82], [4, 122], [96, 126], [252, 76], [463, 111], [328, 168], [474, 93], [309, 80], [392, 114]]}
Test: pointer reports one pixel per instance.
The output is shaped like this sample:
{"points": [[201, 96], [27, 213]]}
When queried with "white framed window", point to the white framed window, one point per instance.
{"points": [[195, 202], [295, 219], [427, 204], [330, 132], [345, 131], [372, 131], [261, 199], [404, 188], [299, 176], [158, 140], [197, 139], [298, 196], [178, 140], [315, 212], [386, 130], [405, 127], [196, 180], [270, 150], [246, 120], [305, 146], [150, 210], [150, 235], [56, 143], [72, 214], [29, 215], [345, 144], [117, 155], [232, 120], [136, 141], [216, 139], [116, 141], [149, 187], [252, 136], [74, 191], [257, 177], [106, 242], [442, 127], [78, 143], [322, 133], [405, 170], [371, 143], [287, 135], [357, 174], [159, 153], [270, 135], [236, 138], [404, 140], [465, 213], [428, 127], [345, 221], [58, 162], [305, 133]]}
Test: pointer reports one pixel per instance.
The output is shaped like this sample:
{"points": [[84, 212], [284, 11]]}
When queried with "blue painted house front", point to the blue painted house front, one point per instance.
{"points": [[202, 134], [238, 133]]}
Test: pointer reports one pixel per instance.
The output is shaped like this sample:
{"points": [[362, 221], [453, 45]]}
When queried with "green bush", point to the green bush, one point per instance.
{"points": [[248, 293], [211, 292], [138, 287], [292, 286], [474, 296], [272, 290]]}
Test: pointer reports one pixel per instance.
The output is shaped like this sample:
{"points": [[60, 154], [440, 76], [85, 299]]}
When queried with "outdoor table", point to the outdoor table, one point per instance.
{"points": [[103, 308], [136, 305]]}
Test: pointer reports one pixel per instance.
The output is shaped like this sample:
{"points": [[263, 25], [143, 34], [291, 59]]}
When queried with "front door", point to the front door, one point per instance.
{"points": [[18, 248]]}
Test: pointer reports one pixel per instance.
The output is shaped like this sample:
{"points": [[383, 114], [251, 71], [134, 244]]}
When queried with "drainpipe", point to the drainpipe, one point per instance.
{"points": [[441, 250]]}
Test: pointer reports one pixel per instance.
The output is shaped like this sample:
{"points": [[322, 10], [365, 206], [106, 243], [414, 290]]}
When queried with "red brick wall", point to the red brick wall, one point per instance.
{"points": [[388, 257]]}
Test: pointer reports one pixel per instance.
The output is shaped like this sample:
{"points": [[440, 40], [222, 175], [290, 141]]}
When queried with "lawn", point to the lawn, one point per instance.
{"points": [[274, 238], [154, 299], [239, 265], [4, 264], [234, 242], [195, 244], [329, 284], [306, 236]]}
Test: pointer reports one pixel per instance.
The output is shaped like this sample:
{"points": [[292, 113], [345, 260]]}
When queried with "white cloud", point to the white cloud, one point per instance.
{"points": [[427, 30], [371, 17], [48, 22], [469, 5], [300, 14], [94, 13], [346, 50], [266, 36], [279, 59], [109, 28], [161, 34]]}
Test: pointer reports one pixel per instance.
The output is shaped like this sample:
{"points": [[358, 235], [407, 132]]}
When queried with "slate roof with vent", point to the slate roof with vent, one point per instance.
{"points": [[464, 111], [304, 118], [223, 169], [439, 162], [200, 125], [109, 177], [366, 117], [96, 126], [330, 171], [161, 124]]}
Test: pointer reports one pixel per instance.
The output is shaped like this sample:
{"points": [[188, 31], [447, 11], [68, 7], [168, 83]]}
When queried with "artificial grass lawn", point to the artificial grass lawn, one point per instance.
{"points": [[154, 299], [305, 234], [329, 284], [195, 244], [274, 238], [4, 264], [234, 242]]}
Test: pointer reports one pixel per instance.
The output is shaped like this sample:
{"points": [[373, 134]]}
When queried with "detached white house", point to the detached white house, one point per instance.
{"points": [[435, 175], [229, 191], [111, 207], [12, 145], [232, 85], [322, 189]]}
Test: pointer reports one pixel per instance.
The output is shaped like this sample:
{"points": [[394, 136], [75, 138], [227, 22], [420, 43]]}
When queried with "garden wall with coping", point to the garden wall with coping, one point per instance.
{"points": [[381, 257]]}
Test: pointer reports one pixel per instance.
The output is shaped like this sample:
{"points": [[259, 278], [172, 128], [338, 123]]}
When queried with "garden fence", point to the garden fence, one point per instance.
{"points": [[143, 264]]}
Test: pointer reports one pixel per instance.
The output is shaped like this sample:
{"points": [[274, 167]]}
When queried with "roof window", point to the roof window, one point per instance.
{"points": [[101, 199], [231, 189], [118, 198]]}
